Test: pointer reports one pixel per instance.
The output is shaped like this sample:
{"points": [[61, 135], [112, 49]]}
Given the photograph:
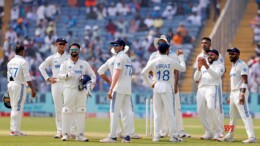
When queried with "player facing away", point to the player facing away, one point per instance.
{"points": [[179, 122], [109, 65], [208, 74], [74, 99], [120, 93], [238, 100], [18, 77], [163, 68], [57, 86], [206, 47]]}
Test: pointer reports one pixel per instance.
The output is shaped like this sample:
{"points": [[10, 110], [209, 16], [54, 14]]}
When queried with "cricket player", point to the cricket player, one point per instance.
{"points": [[164, 67], [57, 86], [120, 93], [208, 75], [238, 99], [179, 122], [206, 45], [18, 77], [74, 99], [109, 65]]}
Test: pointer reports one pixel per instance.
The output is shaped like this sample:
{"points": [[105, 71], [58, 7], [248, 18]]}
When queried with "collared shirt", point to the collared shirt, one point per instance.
{"points": [[54, 61], [238, 69], [81, 67], [124, 83], [18, 69], [210, 76]]}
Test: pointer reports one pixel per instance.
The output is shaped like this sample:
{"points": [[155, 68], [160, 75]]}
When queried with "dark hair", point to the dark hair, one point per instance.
{"points": [[18, 49], [206, 38], [75, 44]]}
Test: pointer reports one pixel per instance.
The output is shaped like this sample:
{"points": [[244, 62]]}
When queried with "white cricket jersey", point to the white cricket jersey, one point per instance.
{"points": [[54, 61], [124, 83], [195, 65], [81, 67], [18, 68], [109, 64], [210, 76], [238, 69], [163, 68]]}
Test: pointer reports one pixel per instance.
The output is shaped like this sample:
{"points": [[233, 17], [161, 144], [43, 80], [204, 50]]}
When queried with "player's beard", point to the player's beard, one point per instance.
{"points": [[206, 49], [74, 54], [234, 59]]}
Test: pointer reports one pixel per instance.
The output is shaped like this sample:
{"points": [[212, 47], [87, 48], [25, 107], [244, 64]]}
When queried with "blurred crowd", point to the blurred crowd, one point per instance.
{"points": [[46, 14]]}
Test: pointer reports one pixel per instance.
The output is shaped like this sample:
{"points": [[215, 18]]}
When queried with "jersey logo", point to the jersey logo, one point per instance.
{"points": [[244, 69], [81, 66], [221, 70], [57, 66], [70, 66], [118, 64], [78, 72], [232, 74]]}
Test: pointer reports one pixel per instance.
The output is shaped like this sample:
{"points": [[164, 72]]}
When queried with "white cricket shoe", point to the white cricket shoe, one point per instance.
{"points": [[155, 139], [175, 139], [206, 136], [17, 133], [82, 138], [217, 136], [108, 140], [65, 137], [184, 134], [228, 138], [58, 135], [250, 140], [135, 136]]}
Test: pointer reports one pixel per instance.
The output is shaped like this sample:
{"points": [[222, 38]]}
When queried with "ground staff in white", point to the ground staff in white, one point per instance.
{"points": [[206, 45], [109, 65], [208, 75], [74, 100], [54, 61], [238, 99], [163, 69], [179, 122], [120, 93], [18, 78]]}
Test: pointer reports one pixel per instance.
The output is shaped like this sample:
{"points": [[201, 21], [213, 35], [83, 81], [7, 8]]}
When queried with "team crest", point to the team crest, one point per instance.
{"points": [[81, 66], [118, 64], [244, 69]]}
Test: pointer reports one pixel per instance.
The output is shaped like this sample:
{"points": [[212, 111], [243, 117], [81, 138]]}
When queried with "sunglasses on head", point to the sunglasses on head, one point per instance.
{"points": [[74, 49], [61, 44], [115, 45]]}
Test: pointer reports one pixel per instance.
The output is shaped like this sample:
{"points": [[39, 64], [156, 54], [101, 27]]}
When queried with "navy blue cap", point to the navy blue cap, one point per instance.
{"points": [[61, 39], [163, 47], [235, 50], [119, 42], [214, 51]]}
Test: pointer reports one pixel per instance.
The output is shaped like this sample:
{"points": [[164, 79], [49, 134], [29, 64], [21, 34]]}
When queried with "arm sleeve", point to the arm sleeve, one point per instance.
{"points": [[103, 68], [119, 62], [244, 69], [195, 65], [62, 74], [26, 73], [197, 75], [91, 73], [216, 71], [145, 74], [180, 66], [44, 66]]}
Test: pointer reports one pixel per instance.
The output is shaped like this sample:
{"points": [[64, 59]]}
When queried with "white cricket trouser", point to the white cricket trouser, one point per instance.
{"points": [[220, 112], [206, 105], [74, 104], [132, 116], [164, 102], [57, 95], [243, 111], [17, 93], [120, 102], [178, 117]]}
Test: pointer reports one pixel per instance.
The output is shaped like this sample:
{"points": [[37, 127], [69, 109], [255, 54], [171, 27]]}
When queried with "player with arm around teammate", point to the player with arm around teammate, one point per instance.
{"points": [[238, 100], [18, 78], [57, 86], [163, 68], [208, 74], [74, 99], [179, 122], [109, 65]]}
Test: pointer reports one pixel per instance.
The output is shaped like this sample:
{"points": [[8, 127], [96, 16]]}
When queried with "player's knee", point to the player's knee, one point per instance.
{"points": [[66, 110], [81, 110]]}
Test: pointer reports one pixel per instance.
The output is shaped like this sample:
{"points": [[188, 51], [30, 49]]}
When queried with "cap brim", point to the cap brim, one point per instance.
{"points": [[156, 40], [61, 42], [113, 43], [230, 50]]}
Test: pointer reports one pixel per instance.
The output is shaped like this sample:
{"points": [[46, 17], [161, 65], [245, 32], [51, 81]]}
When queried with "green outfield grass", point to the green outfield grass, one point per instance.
{"points": [[41, 131]]}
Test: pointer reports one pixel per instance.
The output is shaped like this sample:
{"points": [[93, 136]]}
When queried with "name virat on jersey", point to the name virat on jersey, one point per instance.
{"points": [[162, 66]]}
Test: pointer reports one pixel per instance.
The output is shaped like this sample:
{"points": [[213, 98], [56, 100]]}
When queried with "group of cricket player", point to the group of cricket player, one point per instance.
{"points": [[161, 74]]}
